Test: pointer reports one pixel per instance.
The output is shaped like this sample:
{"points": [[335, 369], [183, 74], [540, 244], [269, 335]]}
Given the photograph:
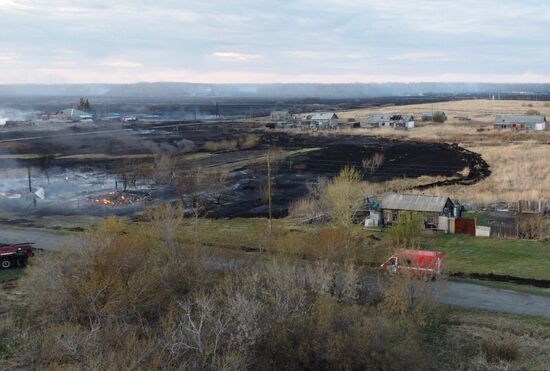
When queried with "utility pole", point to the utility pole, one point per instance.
{"points": [[269, 188], [29, 176]]}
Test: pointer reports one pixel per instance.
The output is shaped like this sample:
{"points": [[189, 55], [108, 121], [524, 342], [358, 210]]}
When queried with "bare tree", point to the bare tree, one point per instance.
{"points": [[198, 188], [533, 226], [164, 168], [45, 162], [374, 162]]}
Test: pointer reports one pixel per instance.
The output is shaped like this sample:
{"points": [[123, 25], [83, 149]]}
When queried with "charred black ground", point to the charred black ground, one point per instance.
{"points": [[90, 156]]}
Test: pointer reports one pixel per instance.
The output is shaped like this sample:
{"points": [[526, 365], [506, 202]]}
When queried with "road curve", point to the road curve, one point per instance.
{"points": [[42, 238], [458, 294]]}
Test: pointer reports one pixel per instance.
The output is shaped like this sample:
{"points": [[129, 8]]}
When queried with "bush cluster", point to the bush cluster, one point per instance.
{"points": [[135, 296]]}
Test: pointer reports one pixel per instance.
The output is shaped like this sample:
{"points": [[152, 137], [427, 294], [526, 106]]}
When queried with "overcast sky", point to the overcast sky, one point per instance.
{"points": [[63, 41]]}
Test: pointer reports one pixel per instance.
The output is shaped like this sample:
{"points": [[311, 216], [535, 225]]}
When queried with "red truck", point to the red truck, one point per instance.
{"points": [[416, 263], [13, 255]]}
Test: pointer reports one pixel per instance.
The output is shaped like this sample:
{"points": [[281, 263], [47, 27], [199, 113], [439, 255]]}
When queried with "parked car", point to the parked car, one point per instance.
{"points": [[14, 255], [415, 263]]}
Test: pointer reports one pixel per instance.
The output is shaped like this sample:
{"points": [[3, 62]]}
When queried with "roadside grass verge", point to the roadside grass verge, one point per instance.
{"points": [[528, 289], [465, 254], [518, 258], [11, 274], [461, 342]]}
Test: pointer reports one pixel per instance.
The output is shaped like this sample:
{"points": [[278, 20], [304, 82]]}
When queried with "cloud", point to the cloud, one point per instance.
{"points": [[269, 40], [420, 56], [8, 57], [236, 57], [123, 63]]}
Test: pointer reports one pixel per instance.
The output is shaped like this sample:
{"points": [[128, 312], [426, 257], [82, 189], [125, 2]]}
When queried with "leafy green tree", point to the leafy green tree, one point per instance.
{"points": [[439, 117], [405, 232], [344, 196]]}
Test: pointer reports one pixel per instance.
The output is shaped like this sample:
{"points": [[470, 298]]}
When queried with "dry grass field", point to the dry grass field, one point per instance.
{"points": [[520, 161], [479, 110]]}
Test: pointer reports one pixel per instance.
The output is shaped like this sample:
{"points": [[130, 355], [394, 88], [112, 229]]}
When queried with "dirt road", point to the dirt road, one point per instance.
{"points": [[467, 295], [42, 238], [453, 293]]}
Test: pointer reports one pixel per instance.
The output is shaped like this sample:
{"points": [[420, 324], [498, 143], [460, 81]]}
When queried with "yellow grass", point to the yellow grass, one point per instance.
{"points": [[520, 171], [519, 161], [479, 110]]}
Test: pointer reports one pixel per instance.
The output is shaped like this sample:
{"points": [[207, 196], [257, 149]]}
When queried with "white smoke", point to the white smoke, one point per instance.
{"points": [[8, 114]]}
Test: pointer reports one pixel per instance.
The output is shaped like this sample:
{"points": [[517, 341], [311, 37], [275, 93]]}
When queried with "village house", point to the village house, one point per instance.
{"points": [[76, 115], [435, 210], [281, 115], [323, 121], [395, 121], [520, 122], [379, 121]]}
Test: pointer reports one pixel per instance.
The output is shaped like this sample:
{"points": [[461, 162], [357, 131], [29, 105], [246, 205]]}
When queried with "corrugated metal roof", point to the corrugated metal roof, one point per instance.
{"points": [[375, 119], [514, 119], [394, 201], [76, 114], [324, 116]]}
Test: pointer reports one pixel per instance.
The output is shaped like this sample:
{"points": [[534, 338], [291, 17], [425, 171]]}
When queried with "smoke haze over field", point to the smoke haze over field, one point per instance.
{"points": [[178, 90], [7, 114]]}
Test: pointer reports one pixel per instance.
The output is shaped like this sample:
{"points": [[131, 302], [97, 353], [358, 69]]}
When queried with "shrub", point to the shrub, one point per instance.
{"points": [[500, 349], [532, 112], [223, 145], [133, 296], [334, 336], [249, 142], [439, 117]]}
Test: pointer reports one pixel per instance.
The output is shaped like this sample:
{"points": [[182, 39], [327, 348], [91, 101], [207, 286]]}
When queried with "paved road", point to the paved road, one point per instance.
{"points": [[459, 294], [493, 299], [42, 239]]}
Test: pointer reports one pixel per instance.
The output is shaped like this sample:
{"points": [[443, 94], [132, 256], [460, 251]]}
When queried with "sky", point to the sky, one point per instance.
{"points": [[261, 41]]}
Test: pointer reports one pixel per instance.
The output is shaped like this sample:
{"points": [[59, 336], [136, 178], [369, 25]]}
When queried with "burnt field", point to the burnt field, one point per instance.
{"points": [[112, 169]]}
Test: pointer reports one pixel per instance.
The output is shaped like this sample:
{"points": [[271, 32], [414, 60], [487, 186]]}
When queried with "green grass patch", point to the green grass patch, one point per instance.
{"points": [[11, 274], [465, 254], [495, 316], [519, 258], [481, 219]]}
